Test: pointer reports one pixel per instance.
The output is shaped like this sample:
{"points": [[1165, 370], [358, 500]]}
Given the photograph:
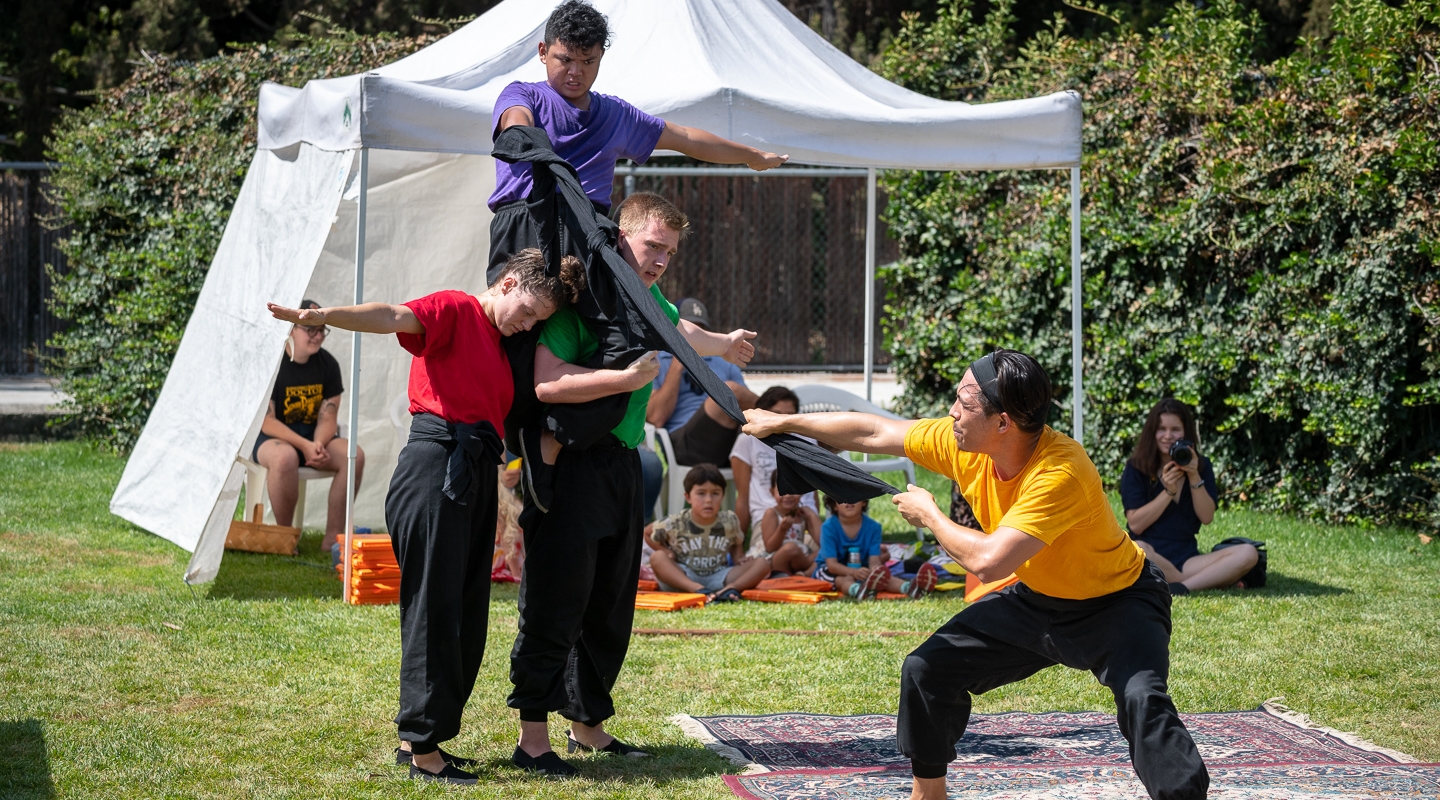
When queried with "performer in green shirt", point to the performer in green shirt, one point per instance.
{"points": [[577, 594]]}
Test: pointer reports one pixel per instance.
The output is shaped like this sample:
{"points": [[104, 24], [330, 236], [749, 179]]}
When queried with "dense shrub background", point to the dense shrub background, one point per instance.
{"points": [[150, 173], [1260, 241], [1260, 236]]}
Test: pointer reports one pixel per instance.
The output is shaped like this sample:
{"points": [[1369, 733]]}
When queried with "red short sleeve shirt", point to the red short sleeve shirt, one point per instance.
{"points": [[460, 372]]}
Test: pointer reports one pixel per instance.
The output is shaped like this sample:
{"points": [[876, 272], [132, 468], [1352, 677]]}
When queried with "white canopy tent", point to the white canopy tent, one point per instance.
{"points": [[382, 177]]}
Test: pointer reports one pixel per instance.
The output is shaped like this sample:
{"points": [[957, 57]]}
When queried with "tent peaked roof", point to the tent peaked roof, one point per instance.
{"points": [[743, 69]]}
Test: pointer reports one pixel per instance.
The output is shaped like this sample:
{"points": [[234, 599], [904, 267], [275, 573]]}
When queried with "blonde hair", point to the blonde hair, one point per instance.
{"points": [[641, 207]]}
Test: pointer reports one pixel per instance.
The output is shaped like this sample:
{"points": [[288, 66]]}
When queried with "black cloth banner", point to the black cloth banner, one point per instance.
{"points": [[803, 466]]}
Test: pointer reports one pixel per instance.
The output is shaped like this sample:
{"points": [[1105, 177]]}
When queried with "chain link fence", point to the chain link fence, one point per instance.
{"points": [[28, 242], [780, 253]]}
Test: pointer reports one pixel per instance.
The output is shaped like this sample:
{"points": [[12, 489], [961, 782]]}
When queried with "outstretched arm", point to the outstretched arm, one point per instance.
{"points": [[366, 317], [989, 558], [734, 346], [706, 146], [864, 433]]}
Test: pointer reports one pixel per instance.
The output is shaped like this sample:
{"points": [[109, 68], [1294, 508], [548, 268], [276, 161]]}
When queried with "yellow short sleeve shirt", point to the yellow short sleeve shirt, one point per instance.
{"points": [[1057, 498]]}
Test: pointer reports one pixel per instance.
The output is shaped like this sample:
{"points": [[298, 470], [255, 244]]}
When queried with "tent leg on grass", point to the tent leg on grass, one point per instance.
{"points": [[354, 431], [869, 283], [1077, 398]]}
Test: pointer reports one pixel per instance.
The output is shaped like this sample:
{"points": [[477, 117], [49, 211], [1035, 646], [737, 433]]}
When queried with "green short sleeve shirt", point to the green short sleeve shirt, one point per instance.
{"points": [[570, 339]]}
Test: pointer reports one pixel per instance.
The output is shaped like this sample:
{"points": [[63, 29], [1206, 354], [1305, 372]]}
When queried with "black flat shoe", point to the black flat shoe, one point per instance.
{"points": [[450, 775], [403, 757], [615, 748], [547, 764]]}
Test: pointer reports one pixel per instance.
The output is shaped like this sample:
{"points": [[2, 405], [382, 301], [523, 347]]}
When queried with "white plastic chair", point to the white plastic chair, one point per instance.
{"points": [[815, 398], [255, 490], [673, 492]]}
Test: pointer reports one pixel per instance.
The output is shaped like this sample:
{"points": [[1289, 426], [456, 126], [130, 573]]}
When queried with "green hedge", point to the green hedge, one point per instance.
{"points": [[1260, 240], [150, 173]]}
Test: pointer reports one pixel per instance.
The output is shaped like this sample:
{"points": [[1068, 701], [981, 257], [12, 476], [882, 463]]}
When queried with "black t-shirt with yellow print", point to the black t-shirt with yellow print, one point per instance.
{"points": [[300, 388]]}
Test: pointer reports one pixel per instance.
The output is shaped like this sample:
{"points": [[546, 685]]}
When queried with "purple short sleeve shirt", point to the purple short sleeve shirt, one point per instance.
{"points": [[592, 141]]}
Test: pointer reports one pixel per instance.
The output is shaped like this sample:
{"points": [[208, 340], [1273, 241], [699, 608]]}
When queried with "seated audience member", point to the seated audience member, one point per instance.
{"points": [[700, 430], [694, 548], [509, 539], [852, 556], [301, 427], [753, 462], [1166, 502], [789, 533]]}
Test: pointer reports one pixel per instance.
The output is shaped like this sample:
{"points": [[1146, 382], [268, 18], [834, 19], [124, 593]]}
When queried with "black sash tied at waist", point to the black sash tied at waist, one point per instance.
{"points": [[476, 444]]}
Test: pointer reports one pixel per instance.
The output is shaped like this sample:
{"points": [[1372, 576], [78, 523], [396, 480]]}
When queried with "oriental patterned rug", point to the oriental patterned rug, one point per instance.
{"points": [[1278, 782], [1266, 754]]}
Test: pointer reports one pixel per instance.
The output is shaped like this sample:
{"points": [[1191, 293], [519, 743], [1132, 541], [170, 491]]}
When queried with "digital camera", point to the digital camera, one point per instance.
{"points": [[1182, 452]]}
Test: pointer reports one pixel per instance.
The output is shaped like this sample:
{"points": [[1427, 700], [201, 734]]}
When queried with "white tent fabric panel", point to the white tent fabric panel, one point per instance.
{"points": [[428, 229], [743, 69], [231, 347]]}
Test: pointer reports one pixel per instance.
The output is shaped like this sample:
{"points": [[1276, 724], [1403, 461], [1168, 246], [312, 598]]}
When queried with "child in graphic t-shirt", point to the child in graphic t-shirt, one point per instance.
{"points": [[694, 549], [852, 556]]}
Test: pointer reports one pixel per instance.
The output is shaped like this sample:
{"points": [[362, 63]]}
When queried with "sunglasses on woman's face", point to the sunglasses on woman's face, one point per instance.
{"points": [[322, 331]]}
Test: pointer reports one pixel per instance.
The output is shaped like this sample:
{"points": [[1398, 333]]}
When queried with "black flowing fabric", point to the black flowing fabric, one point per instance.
{"points": [[621, 294], [805, 466]]}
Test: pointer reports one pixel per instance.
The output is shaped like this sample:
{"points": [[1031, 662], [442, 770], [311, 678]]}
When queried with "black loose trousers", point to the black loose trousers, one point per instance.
{"points": [[577, 593], [1123, 638], [445, 551]]}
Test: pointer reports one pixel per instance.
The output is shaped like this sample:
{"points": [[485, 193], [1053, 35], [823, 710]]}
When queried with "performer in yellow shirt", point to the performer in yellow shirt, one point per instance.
{"points": [[1087, 597]]}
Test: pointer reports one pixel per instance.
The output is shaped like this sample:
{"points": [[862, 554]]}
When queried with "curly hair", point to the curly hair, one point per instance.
{"points": [[528, 268], [577, 24]]}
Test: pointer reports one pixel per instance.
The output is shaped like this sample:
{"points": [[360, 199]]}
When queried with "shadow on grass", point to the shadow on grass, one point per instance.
{"points": [[24, 763], [1284, 585], [254, 576], [666, 764]]}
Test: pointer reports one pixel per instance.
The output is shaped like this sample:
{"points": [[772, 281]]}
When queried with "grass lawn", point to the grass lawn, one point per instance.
{"points": [[119, 681]]}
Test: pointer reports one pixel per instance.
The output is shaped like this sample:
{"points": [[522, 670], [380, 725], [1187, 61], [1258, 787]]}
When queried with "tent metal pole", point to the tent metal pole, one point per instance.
{"points": [[1077, 411], [354, 432], [869, 283]]}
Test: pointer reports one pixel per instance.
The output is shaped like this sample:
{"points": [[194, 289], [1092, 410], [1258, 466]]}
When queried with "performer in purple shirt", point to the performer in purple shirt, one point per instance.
{"points": [[592, 132]]}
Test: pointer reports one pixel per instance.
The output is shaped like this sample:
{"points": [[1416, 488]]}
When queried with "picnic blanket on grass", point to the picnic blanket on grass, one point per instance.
{"points": [[1265, 754]]}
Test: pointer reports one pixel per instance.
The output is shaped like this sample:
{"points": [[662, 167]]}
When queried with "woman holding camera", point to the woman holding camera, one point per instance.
{"points": [[1168, 490]]}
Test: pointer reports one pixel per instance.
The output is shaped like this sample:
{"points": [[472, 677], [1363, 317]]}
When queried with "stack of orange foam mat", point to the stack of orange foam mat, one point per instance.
{"points": [[791, 589], [374, 573], [668, 601]]}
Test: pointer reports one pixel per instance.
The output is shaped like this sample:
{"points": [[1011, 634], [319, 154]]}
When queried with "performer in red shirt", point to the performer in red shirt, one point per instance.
{"points": [[442, 502]]}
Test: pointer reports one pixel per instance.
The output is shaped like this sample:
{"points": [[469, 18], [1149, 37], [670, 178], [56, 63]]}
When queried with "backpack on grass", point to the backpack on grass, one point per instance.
{"points": [[1255, 578]]}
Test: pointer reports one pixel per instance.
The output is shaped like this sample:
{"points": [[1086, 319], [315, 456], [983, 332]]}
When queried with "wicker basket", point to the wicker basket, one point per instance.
{"points": [[257, 537]]}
